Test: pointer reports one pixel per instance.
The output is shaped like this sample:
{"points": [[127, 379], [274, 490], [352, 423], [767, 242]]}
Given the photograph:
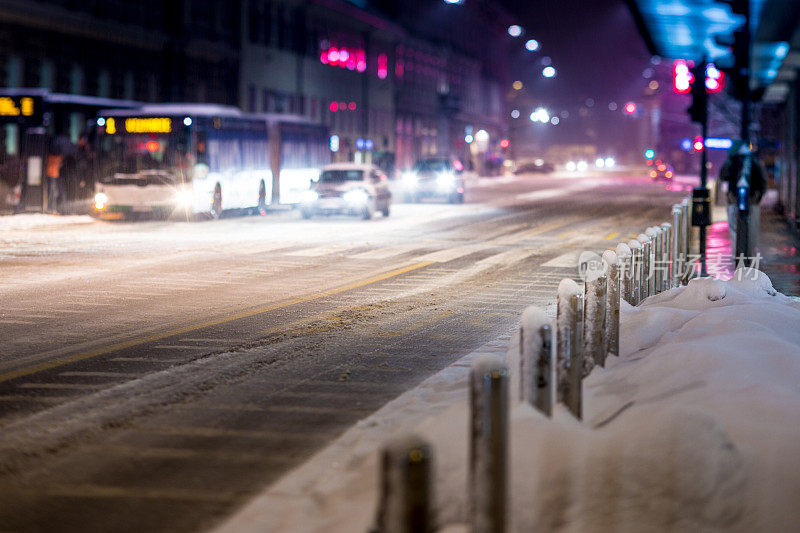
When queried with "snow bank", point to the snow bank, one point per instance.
{"points": [[696, 426], [36, 220]]}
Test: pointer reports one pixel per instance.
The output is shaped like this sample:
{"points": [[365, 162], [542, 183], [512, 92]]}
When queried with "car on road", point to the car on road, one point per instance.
{"points": [[537, 165], [434, 177], [661, 171], [348, 189]]}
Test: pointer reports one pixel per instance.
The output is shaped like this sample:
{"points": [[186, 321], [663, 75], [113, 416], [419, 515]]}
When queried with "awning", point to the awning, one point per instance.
{"points": [[693, 29]]}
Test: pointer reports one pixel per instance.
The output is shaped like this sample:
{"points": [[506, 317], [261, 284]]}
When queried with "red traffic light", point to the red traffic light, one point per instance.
{"points": [[682, 77], [630, 108], [505, 143], [715, 79], [698, 143]]}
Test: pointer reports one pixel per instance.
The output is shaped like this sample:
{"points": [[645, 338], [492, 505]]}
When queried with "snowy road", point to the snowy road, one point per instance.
{"points": [[155, 375]]}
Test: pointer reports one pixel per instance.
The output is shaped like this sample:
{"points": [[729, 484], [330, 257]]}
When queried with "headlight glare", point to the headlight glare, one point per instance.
{"points": [[356, 197], [309, 197]]}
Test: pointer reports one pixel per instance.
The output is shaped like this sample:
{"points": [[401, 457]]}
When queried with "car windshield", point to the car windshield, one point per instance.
{"points": [[432, 165], [339, 176]]}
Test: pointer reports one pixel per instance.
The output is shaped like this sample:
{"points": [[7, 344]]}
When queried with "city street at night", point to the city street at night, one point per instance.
{"points": [[380, 266], [155, 374]]}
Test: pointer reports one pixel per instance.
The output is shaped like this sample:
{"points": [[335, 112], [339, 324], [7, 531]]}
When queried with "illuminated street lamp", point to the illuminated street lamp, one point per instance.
{"points": [[532, 45], [515, 30], [548, 71]]}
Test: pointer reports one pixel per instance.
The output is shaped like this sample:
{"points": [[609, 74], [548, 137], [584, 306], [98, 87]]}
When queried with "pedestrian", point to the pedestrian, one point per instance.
{"points": [[742, 168], [55, 185]]}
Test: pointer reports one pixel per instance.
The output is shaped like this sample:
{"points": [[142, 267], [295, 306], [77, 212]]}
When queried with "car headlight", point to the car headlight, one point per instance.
{"points": [[445, 179], [356, 197], [309, 197], [410, 179], [184, 198]]}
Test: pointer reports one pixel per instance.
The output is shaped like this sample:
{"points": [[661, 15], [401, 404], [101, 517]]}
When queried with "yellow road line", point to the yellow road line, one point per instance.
{"points": [[171, 333], [611, 235]]}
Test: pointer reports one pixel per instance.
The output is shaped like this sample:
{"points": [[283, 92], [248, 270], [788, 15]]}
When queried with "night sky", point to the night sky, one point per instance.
{"points": [[594, 44]]}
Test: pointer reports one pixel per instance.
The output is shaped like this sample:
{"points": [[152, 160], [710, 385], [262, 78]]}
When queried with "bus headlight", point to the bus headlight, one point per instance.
{"points": [[100, 200], [308, 197], [184, 198], [410, 180], [356, 197]]}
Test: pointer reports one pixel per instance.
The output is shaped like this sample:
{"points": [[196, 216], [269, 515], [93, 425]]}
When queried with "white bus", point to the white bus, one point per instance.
{"points": [[190, 159]]}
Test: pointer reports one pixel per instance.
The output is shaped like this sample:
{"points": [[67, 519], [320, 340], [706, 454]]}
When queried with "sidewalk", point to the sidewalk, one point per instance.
{"points": [[779, 249]]}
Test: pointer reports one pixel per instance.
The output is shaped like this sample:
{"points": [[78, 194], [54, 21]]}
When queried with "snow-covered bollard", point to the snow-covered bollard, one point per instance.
{"points": [[488, 444], [625, 271], [666, 278], [644, 271], [685, 236], [654, 279], [405, 500], [636, 272], [677, 232], [611, 335], [569, 363], [536, 360], [594, 316]]}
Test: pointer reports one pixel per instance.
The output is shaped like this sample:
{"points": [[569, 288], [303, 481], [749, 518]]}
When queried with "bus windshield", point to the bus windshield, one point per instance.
{"points": [[339, 176], [143, 152]]}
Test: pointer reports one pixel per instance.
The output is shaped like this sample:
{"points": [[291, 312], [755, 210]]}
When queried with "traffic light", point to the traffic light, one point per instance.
{"points": [[649, 153], [698, 111], [715, 79], [681, 77], [630, 108], [505, 143], [698, 143]]}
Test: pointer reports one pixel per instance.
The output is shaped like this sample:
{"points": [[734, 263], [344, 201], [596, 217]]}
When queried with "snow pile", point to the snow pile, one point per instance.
{"points": [[37, 220], [695, 426]]}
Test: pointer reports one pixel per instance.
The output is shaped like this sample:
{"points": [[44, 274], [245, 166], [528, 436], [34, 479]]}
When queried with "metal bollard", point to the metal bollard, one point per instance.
{"points": [[677, 246], [405, 500], [653, 281], [636, 267], [612, 304], [644, 272], [594, 315], [566, 289], [536, 366], [624, 264], [685, 210], [489, 444], [666, 278]]}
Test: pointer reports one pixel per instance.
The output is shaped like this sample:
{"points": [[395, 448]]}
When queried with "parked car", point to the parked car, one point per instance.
{"points": [[348, 188], [434, 177]]}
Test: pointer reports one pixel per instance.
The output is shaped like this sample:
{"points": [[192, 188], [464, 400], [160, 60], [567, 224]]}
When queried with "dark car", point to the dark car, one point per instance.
{"points": [[538, 165]]}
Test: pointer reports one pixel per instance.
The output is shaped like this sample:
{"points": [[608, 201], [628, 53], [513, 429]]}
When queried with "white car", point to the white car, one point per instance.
{"points": [[348, 188]]}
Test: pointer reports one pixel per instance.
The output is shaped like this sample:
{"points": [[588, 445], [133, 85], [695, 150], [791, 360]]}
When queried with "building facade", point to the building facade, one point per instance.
{"points": [[391, 84]]}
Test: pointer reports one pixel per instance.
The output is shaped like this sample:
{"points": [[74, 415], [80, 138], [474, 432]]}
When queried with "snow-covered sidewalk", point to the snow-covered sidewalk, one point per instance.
{"points": [[695, 426]]}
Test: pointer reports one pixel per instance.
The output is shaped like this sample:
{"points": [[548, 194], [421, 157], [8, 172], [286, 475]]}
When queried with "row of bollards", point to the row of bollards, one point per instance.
{"points": [[552, 365]]}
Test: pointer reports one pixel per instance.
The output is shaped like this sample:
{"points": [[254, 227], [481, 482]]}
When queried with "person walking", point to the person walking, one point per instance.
{"points": [[55, 184], [743, 171]]}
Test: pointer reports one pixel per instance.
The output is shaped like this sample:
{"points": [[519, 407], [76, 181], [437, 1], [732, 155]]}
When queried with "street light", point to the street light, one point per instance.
{"points": [[514, 30], [548, 72], [515, 113], [532, 45]]}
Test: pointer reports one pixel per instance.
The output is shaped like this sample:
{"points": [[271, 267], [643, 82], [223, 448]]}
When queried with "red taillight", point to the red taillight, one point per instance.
{"points": [[668, 174], [152, 146], [662, 168], [653, 174]]}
